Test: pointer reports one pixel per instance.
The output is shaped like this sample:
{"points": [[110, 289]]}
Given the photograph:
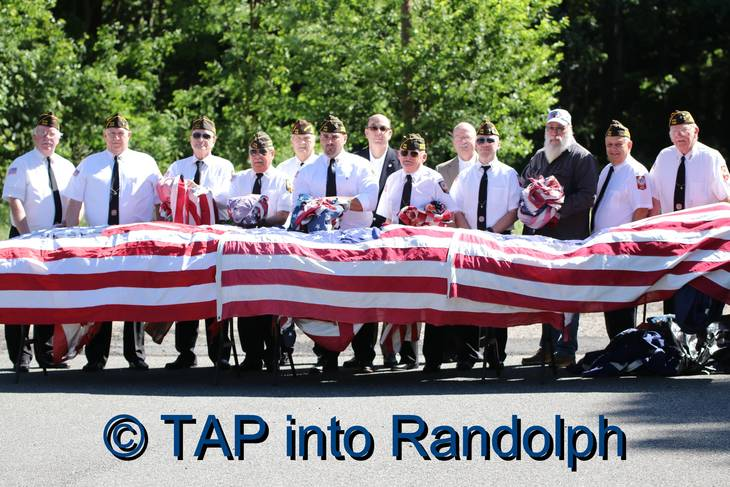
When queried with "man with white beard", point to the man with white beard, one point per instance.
{"points": [[577, 172]]}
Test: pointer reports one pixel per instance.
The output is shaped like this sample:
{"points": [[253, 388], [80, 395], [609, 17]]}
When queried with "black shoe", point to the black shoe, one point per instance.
{"points": [[353, 363], [93, 367], [51, 365], [22, 368], [181, 363], [139, 364], [365, 369], [315, 370], [251, 366], [464, 365], [432, 368], [284, 359], [411, 365], [224, 364], [391, 364]]}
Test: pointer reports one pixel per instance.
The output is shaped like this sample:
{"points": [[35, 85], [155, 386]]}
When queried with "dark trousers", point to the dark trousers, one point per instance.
{"points": [[438, 340], [500, 335], [43, 343], [619, 320], [186, 334], [363, 344], [257, 340], [97, 350]]}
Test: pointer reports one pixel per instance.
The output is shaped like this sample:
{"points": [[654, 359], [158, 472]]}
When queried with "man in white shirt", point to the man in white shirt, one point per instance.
{"points": [[463, 139], [302, 142], [35, 189], [623, 195], [115, 186], [255, 332], [339, 173], [488, 193], [687, 174], [214, 173]]}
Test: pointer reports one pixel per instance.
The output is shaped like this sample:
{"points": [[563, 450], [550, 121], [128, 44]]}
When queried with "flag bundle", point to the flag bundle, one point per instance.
{"points": [[183, 201], [540, 202]]}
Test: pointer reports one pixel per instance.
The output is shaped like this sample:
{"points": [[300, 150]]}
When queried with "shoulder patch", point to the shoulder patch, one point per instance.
{"points": [[442, 184], [725, 173], [12, 171], [288, 186], [641, 182]]}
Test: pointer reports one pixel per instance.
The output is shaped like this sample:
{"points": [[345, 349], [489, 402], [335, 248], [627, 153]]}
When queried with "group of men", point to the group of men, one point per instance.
{"points": [[118, 186]]}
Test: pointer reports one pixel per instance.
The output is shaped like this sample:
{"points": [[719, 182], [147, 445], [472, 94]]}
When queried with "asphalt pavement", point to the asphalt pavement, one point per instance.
{"points": [[676, 430]]}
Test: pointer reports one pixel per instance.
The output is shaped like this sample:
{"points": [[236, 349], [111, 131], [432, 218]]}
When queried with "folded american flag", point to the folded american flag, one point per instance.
{"points": [[540, 202], [434, 213], [158, 272], [183, 201], [317, 214]]}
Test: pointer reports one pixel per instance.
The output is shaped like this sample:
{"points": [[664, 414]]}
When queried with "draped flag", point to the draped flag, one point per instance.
{"points": [[159, 272]]}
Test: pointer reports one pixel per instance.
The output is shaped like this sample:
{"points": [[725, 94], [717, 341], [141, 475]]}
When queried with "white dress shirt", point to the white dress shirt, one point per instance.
{"points": [[503, 192], [706, 177], [138, 178], [354, 178], [427, 186], [274, 184], [215, 174], [291, 166], [27, 180], [628, 190]]}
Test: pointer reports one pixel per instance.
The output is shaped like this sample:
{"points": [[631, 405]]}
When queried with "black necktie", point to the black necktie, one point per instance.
{"points": [[114, 195], [196, 178], [257, 184], [679, 186], [58, 215], [405, 199], [594, 210], [482, 207], [331, 182]]}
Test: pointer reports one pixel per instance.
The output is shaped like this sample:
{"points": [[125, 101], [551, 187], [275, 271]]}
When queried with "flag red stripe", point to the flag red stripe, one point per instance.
{"points": [[102, 280], [349, 254], [126, 249], [333, 282], [391, 315]]}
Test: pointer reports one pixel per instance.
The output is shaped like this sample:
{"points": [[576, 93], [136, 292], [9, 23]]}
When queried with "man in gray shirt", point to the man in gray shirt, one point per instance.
{"points": [[577, 172]]}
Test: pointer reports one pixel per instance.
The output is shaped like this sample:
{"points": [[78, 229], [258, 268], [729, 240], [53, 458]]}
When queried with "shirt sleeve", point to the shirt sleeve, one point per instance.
{"points": [[367, 190], [514, 191], [77, 184], [721, 177], [384, 207], [442, 196], [15, 182]]}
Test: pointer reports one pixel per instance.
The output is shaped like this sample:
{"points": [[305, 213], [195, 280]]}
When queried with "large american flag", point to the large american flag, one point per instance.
{"points": [[160, 272]]}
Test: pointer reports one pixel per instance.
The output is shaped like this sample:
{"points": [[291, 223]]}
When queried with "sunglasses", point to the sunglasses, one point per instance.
{"points": [[406, 153], [203, 135], [382, 128], [486, 140], [258, 151]]}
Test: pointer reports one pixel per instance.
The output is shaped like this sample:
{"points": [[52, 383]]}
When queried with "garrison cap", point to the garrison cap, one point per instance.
{"points": [[487, 128], [617, 129], [332, 125], [301, 127], [49, 120], [261, 140], [680, 117], [203, 123], [116, 121], [413, 142]]}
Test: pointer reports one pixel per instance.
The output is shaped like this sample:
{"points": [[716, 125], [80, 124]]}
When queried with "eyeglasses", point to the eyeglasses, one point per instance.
{"points": [[406, 153], [382, 128], [258, 151], [204, 135], [486, 140], [557, 130]]}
